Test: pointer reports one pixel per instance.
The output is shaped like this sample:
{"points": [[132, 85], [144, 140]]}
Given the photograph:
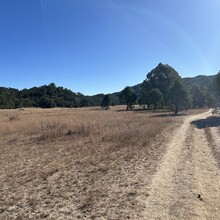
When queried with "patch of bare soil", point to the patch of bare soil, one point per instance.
{"points": [[187, 182]]}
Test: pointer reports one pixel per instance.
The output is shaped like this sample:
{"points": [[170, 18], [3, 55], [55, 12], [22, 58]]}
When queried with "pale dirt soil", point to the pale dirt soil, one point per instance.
{"points": [[92, 164], [186, 184]]}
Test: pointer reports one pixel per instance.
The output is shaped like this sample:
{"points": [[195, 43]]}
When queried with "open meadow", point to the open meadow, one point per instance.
{"points": [[109, 110], [81, 163]]}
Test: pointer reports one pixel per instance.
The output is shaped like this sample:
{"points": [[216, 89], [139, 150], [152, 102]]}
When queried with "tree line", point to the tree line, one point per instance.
{"points": [[47, 96], [162, 88]]}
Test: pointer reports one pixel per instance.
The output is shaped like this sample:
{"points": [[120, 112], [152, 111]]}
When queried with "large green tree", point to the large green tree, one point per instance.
{"points": [[146, 87], [199, 96], [155, 98], [8, 98], [178, 96], [106, 102], [163, 78], [128, 97]]}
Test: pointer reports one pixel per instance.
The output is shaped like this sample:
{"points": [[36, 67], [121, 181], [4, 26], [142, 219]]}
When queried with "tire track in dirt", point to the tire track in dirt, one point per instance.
{"points": [[213, 136], [207, 175], [187, 182]]}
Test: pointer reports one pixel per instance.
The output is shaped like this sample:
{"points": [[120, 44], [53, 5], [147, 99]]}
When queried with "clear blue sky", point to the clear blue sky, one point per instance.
{"points": [[101, 46]]}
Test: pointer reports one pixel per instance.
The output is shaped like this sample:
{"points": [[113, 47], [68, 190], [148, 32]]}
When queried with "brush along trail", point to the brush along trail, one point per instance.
{"points": [[186, 184]]}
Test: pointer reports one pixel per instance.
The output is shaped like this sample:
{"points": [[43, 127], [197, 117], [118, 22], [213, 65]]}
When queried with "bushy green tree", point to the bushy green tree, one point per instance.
{"points": [[198, 95], [155, 98], [179, 96], [210, 99], [47, 102], [106, 102], [146, 87], [128, 97], [201, 97], [8, 98], [163, 78], [170, 90]]}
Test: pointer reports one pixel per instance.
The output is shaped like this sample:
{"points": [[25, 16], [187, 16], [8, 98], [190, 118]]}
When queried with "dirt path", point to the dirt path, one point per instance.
{"points": [[187, 182]]}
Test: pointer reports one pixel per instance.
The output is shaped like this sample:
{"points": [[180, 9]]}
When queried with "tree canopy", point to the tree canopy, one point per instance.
{"points": [[106, 102], [47, 96], [178, 96], [217, 81], [128, 97], [201, 89], [155, 98], [164, 86], [162, 78]]}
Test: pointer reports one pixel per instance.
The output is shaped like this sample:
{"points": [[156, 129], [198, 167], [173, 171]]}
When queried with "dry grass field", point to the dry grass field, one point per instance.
{"points": [[80, 163]]}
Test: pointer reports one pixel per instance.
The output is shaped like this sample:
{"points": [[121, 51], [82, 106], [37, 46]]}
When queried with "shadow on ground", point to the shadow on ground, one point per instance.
{"points": [[155, 114], [208, 122], [166, 115]]}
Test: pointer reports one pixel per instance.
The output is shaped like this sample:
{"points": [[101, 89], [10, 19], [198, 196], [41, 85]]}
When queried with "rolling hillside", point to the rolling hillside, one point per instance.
{"points": [[48, 96], [200, 81]]}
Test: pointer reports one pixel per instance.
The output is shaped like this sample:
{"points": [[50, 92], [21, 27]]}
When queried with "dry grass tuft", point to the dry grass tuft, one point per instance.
{"points": [[51, 130], [13, 117]]}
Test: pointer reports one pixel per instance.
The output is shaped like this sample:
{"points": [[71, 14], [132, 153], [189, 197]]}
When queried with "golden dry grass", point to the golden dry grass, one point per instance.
{"points": [[78, 164]]}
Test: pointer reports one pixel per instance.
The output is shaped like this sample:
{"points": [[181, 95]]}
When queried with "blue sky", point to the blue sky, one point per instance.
{"points": [[101, 46]]}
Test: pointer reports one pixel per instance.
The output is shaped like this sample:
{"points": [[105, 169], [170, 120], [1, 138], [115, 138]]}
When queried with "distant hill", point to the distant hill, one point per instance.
{"points": [[201, 88], [48, 96], [203, 81], [199, 81]]}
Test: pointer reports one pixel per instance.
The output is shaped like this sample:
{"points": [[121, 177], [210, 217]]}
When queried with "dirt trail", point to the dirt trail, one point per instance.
{"points": [[187, 182]]}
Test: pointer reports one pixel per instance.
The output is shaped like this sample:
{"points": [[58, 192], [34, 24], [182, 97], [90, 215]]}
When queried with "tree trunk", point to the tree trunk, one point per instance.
{"points": [[176, 109]]}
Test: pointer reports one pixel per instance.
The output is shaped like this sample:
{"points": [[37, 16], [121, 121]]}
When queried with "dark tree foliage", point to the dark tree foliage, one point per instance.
{"points": [[202, 91], [179, 96], [164, 86], [95, 100], [114, 99], [162, 78], [106, 102], [155, 98], [200, 97], [47, 96], [146, 87], [46, 102], [8, 98], [128, 97], [217, 82], [217, 87]]}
